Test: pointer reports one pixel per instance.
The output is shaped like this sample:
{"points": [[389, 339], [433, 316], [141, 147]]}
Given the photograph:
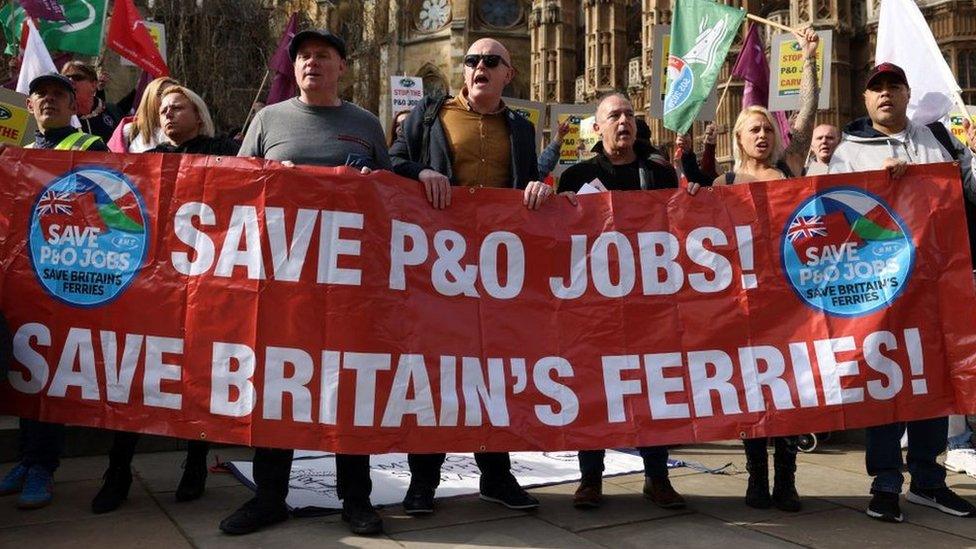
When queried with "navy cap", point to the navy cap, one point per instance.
{"points": [[338, 43], [882, 69], [51, 77]]}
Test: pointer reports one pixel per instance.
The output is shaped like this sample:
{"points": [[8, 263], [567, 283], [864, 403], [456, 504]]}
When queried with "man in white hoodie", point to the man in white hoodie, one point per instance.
{"points": [[887, 139]]}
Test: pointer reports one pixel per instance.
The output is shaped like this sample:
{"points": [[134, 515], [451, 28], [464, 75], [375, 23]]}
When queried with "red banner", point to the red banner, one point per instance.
{"points": [[239, 301]]}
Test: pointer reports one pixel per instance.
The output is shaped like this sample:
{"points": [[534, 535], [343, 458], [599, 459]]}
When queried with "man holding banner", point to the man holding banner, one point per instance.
{"points": [[887, 139], [317, 128]]}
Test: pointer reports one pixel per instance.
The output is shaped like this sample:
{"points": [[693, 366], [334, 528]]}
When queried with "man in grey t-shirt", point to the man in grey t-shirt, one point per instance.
{"points": [[317, 127]]}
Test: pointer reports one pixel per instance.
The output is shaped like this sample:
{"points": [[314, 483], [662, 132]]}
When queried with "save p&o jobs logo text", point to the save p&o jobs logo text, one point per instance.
{"points": [[88, 236], [847, 253]]}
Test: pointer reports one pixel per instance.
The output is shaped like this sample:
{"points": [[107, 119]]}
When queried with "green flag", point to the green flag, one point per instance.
{"points": [[81, 33], [701, 33]]}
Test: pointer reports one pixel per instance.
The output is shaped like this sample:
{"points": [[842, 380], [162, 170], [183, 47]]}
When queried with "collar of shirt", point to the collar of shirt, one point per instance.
{"points": [[463, 101]]}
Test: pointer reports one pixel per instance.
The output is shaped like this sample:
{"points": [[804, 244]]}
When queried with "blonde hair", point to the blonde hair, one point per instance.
{"points": [[740, 123], [147, 114], [206, 122]]}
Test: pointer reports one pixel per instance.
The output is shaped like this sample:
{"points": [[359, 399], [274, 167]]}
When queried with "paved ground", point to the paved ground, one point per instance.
{"points": [[832, 482]]}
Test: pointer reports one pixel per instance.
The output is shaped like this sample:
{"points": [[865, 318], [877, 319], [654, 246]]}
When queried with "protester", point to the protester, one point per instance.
{"points": [[622, 163], [188, 128], [51, 102], [471, 140], [142, 132], [825, 140], [760, 156], [549, 156], [703, 173], [321, 129], [887, 139], [97, 116], [396, 128], [622, 160]]}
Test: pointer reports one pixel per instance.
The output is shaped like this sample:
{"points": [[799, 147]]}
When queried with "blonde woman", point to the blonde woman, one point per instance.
{"points": [[760, 156], [142, 132]]}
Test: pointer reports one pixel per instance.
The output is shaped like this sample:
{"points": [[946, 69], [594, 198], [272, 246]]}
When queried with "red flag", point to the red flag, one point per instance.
{"points": [[128, 36]]}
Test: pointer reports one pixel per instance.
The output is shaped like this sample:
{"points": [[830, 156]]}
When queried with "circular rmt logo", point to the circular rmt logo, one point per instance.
{"points": [[683, 82], [88, 236], [846, 252]]}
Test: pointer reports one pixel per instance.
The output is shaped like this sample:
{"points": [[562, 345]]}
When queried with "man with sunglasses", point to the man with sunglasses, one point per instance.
{"points": [[472, 140]]}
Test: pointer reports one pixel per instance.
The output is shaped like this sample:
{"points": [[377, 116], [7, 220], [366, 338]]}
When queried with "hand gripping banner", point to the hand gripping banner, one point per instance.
{"points": [[237, 300]]}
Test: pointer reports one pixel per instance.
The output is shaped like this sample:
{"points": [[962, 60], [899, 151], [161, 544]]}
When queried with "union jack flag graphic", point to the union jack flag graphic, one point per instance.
{"points": [[55, 202], [806, 227]]}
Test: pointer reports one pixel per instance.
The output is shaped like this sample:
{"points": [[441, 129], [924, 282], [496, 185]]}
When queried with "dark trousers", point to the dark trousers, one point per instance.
{"points": [[758, 455], [124, 448], [425, 469], [655, 461], [41, 444], [926, 440], [272, 470]]}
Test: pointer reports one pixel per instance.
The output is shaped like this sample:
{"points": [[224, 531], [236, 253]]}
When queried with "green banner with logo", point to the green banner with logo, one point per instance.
{"points": [[81, 33], [701, 34]]}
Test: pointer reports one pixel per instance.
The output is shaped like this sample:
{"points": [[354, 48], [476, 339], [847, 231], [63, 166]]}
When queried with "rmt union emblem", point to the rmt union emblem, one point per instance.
{"points": [[407, 82]]}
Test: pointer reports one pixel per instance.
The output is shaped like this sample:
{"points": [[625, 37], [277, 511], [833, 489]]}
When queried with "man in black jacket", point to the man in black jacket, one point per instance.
{"points": [[471, 140], [623, 163]]}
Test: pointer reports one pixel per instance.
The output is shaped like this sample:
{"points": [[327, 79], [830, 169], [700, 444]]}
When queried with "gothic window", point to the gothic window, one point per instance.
{"points": [[580, 39], [966, 74], [435, 84], [634, 22], [432, 15], [500, 14]]}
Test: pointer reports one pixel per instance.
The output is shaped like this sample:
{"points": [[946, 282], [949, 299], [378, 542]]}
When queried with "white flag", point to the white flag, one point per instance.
{"points": [[905, 39], [37, 61]]}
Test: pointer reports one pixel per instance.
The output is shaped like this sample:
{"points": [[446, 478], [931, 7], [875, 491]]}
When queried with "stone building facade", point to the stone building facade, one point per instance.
{"points": [[584, 48]]}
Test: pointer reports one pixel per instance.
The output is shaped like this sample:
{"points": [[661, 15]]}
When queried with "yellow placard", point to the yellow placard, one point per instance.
{"points": [[956, 127], [791, 67], [16, 123], [532, 115], [574, 148], [665, 53]]}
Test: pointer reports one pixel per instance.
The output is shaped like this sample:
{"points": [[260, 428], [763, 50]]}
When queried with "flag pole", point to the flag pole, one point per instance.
{"points": [[773, 24], [250, 111]]}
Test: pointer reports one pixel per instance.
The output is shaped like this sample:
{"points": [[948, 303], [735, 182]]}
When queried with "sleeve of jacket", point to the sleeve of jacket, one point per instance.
{"points": [[549, 157], [694, 173], [967, 168], [526, 160], [405, 152]]}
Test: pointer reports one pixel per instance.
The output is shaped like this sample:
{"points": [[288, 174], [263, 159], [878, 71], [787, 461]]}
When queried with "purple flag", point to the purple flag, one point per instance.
{"points": [[283, 85], [752, 67], [49, 10]]}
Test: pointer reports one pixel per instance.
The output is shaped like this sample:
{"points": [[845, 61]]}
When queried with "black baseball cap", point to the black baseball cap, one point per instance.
{"points": [[51, 77], [890, 69], [338, 43]]}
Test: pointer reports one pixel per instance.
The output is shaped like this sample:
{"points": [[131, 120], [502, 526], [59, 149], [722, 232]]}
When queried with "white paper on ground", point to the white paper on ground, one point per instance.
{"points": [[312, 483]]}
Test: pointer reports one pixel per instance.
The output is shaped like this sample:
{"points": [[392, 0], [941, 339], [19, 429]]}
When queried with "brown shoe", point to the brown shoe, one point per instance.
{"points": [[660, 492], [589, 494]]}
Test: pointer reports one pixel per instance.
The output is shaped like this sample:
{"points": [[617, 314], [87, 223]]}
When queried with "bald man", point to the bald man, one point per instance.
{"points": [[472, 140], [825, 140]]}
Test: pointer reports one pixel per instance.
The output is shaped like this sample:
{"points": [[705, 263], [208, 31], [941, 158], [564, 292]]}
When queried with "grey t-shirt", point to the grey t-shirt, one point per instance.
{"points": [[323, 136]]}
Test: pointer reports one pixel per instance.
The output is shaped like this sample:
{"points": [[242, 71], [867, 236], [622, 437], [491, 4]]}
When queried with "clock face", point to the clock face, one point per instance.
{"points": [[501, 13], [433, 14]]}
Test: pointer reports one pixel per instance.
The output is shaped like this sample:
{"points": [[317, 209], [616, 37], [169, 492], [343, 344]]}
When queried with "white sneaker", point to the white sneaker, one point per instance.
{"points": [[962, 460]]}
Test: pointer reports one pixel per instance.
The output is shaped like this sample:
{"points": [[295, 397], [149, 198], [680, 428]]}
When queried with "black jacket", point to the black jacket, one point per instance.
{"points": [[408, 158], [201, 145], [657, 172]]}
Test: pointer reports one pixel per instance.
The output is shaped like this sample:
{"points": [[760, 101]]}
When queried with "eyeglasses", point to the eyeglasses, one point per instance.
{"points": [[490, 60]]}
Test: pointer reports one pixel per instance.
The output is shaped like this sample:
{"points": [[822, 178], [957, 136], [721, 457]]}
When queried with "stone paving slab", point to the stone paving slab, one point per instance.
{"points": [[145, 530], [683, 531], [513, 532], [72, 501]]}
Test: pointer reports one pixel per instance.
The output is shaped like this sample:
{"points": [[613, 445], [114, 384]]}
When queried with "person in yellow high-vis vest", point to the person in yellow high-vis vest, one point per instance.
{"points": [[52, 103]]}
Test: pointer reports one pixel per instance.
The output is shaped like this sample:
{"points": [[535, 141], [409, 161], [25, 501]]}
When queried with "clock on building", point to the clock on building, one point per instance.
{"points": [[501, 13], [433, 14]]}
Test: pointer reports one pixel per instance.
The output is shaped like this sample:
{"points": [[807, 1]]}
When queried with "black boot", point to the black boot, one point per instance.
{"points": [[757, 463], [785, 497], [194, 478], [114, 490]]}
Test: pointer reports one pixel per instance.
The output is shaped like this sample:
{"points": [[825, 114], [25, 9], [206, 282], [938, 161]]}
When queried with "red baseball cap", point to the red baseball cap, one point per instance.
{"points": [[882, 69]]}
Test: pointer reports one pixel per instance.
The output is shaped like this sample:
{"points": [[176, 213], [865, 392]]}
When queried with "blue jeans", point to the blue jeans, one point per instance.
{"points": [[962, 439], [926, 440], [655, 461]]}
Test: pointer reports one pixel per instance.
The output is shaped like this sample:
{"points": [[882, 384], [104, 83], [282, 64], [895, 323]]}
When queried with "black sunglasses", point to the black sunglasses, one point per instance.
{"points": [[490, 60]]}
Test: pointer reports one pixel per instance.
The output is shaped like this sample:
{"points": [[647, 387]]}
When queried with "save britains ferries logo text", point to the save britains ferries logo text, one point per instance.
{"points": [[88, 236]]}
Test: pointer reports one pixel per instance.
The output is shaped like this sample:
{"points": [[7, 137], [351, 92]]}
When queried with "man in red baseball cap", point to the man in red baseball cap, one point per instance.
{"points": [[888, 139]]}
